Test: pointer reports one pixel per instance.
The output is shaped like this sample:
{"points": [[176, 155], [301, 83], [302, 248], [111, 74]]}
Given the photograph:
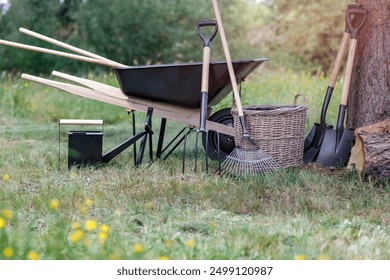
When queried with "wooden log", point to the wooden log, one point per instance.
{"points": [[371, 152]]}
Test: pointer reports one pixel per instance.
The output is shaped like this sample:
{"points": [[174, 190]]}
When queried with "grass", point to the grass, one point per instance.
{"points": [[119, 211]]}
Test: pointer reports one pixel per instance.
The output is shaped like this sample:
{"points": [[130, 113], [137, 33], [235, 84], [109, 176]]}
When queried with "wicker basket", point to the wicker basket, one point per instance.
{"points": [[277, 130]]}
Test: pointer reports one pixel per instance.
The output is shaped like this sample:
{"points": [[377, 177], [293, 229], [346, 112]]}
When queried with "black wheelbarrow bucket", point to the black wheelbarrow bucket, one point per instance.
{"points": [[179, 84]]}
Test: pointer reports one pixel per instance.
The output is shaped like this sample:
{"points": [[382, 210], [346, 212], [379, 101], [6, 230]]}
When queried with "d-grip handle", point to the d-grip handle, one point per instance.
{"points": [[359, 24], [205, 68], [207, 39]]}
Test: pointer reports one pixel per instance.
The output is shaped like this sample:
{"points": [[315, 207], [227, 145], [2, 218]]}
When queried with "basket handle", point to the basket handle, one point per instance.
{"points": [[297, 96]]}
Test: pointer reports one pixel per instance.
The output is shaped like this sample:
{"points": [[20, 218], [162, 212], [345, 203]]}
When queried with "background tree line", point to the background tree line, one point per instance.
{"points": [[293, 34]]}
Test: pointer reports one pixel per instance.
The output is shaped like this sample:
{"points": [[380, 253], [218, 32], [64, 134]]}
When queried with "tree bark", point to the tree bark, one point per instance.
{"points": [[369, 99]]}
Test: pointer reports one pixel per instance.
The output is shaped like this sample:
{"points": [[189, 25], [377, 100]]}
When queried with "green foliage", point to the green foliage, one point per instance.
{"points": [[307, 30], [130, 32]]}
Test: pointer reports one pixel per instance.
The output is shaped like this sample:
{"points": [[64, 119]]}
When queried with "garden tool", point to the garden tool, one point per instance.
{"points": [[246, 158], [316, 135], [337, 143], [204, 84]]}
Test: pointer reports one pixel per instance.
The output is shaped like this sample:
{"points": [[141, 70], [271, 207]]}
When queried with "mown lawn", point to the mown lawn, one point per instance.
{"points": [[153, 211]]}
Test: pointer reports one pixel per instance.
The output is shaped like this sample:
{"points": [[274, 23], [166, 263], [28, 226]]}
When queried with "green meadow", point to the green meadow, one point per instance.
{"points": [[154, 211]]}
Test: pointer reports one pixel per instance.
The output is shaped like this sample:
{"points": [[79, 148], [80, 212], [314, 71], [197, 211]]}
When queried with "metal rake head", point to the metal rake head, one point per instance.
{"points": [[243, 163]]}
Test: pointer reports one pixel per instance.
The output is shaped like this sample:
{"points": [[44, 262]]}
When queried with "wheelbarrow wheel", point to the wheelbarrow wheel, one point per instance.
{"points": [[226, 142]]}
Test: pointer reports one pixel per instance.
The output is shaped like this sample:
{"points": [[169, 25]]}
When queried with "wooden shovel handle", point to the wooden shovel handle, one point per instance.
{"points": [[339, 58], [228, 59], [348, 72]]}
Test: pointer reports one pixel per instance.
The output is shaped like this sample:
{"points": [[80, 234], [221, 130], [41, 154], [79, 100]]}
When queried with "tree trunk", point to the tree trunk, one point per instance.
{"points": [[371, 153], [369, 100]]}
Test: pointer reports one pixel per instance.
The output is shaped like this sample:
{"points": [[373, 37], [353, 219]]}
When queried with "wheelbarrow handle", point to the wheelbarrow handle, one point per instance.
{"points": [[207, 39], [354, 29]]}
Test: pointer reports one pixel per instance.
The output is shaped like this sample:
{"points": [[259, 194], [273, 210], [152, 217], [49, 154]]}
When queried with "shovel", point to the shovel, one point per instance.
{"points": [[316, 135], [337, 143]]}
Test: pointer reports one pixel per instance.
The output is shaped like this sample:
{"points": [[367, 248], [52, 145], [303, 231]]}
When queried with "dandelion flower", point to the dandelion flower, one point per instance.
{"points": [[300, 257], [7, 214], [5, 177], [54, 203], [104, 228], [33, 256], [3, 223], [169, 243], [149, 205], [164, 258], [75, 225], [138, 248], [73, 175], [190, 243], [8, 252], [88, 202], [76, 236], [102, 237], [83, 210], [322, 257], [90, 225]]}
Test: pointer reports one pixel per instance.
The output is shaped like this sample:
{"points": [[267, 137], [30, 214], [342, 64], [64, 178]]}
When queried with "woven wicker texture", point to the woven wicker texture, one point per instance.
{"points": [[278, 130]]}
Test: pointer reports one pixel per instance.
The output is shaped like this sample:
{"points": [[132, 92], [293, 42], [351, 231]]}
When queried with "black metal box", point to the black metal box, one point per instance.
{"points": [[84, 148]]}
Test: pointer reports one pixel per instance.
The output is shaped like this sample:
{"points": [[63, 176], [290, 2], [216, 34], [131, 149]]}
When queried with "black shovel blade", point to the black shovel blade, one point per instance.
{"points": [[312, 146], [310, 137], [333, 152], [316, 135]]}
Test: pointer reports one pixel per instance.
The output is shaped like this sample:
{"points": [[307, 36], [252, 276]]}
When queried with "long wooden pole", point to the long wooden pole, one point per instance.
{"points": [[70, 47], [58, 53], [228, 58]]}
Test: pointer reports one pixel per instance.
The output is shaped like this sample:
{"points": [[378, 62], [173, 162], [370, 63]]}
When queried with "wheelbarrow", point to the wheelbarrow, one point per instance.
{"points": [[170, 91]]}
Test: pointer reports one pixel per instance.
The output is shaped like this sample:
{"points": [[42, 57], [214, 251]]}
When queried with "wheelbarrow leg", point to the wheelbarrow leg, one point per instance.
{"points": [[148, 131], [134, 133], [161, 137]]}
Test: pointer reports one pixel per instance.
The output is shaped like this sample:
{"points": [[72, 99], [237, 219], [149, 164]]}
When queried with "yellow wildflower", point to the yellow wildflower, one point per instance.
{"points": [[104, 228], [190, 243], [75, 225], [102, 237], [76, 236], [169, 243], [88, 202], [90, 225], [54, 203], [114, 256], [164, 258], [73, 175], [7, 214], [149, 205], [322, 257], [300, 257], [8, 252], [5, 177], [33, 256], [138, 248], [83, 210], [3, 223]]}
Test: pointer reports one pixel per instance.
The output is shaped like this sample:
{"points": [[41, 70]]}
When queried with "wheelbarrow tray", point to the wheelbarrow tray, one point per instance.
{"points": [[179, 84]]}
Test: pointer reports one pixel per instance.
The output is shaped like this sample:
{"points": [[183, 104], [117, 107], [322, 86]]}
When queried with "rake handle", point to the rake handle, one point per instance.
{"points": [[228, 59]]}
